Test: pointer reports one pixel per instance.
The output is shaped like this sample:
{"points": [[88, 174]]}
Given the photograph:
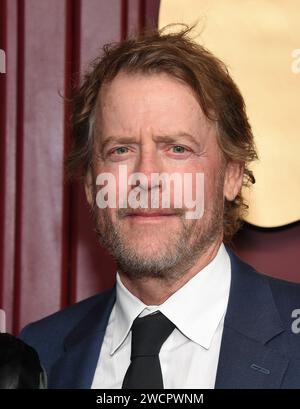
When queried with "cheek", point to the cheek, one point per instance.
{"points": [[213, 187], [106, 214], [111, 179]]}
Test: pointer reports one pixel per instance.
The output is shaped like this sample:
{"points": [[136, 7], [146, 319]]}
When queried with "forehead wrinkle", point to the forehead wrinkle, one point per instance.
{"points": [[103, 103]]}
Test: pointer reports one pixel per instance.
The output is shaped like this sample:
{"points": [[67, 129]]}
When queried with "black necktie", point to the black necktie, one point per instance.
{"points": [[148, 335]]}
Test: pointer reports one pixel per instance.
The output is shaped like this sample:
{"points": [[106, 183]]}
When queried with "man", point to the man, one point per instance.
{"points": [[185, 312]]}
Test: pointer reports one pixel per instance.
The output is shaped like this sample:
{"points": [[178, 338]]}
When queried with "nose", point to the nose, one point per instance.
{"points": [[148, 163]]}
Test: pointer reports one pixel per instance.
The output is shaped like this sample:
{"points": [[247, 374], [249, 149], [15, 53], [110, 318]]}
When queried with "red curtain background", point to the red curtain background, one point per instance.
{"points": [[49, 256]]}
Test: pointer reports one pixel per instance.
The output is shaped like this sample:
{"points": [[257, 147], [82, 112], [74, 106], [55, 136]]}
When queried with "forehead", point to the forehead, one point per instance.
{"points": [[131, 102]]}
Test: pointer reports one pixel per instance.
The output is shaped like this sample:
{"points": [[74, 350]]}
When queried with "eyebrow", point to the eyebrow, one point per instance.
{"points": [[169, 138], [118, 139], [174, 137]]}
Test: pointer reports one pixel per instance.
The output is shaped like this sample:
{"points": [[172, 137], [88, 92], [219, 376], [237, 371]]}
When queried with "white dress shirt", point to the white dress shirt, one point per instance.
{"points": [[189, 357]]}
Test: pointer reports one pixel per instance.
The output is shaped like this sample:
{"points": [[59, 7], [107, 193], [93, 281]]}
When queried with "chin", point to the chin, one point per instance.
{"points": [[144, 249]]}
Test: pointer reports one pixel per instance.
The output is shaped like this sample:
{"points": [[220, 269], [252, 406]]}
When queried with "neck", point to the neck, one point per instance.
{"points": [[155, 291]]}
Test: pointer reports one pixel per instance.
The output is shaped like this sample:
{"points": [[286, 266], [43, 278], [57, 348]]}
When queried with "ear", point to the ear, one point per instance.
{"points": [[233, 179], [88, 187]]}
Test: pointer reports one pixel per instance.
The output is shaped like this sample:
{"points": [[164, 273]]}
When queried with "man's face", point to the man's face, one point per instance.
{"points": [[154, 124]]}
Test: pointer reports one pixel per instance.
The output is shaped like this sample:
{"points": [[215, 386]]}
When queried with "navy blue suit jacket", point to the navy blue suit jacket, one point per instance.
{"points": [[258, 349]]}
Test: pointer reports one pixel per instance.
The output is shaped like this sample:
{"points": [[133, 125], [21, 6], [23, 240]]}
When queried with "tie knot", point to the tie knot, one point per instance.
{"points": [[149, 333]]}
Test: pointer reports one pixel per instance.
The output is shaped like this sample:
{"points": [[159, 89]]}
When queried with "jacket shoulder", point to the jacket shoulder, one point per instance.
{"points": [[280, 288], [285, 294], [57, 326]]}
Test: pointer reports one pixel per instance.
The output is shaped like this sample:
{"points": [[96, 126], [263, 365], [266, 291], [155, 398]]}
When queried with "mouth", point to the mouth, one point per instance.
{"points": [[149, 216]]}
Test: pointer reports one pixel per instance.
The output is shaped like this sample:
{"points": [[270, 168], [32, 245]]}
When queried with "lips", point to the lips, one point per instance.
{"points": [[150, 215], [143, 216]]}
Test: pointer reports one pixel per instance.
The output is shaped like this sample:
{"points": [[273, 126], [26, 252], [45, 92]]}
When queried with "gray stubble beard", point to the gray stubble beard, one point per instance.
{"points": [[170, 264]]}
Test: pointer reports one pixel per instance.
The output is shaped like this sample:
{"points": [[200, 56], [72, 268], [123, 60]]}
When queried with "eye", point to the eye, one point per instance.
{"points": [[178, 152], [120, 150], [178, 149]]}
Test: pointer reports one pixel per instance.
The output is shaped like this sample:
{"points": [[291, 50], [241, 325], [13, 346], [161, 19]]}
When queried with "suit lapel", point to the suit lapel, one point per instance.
{"points": [[251, 354], [77, 365]]}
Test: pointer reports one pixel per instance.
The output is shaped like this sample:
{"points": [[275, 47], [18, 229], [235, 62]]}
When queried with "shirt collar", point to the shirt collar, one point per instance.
{"points": [[127, 308], [198, 319]]}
